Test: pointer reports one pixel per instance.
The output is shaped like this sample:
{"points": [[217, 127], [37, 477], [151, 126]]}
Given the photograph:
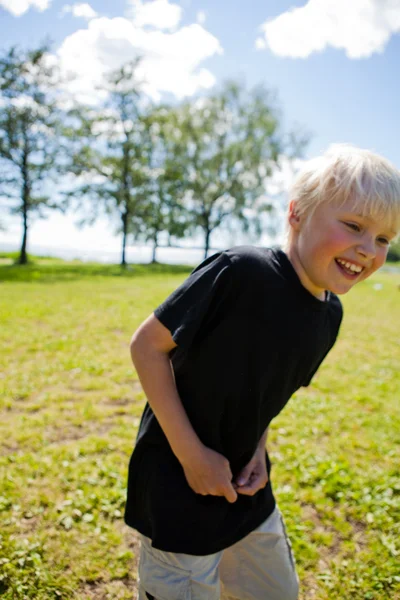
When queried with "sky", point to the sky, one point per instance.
{"points": [[332, 63]]}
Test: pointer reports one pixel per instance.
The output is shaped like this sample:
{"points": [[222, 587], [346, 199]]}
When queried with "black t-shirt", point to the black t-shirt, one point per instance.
{"points": [[248, 335]]}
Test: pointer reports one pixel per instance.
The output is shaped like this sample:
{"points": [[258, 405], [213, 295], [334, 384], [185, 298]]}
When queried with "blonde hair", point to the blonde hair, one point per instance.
{"points": [[346, 172]]}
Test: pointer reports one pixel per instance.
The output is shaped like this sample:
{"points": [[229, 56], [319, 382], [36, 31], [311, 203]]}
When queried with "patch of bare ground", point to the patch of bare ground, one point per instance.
{"points": [[134, 384], [65, 434], [27, 525], [310, 587], [56, 436], [117, 331], [328, 553], [125, 400], [131, 540], [18, 409], [20, 398], [136, 388], [30, 402], [121, 589], [9, 448], [358, 536], [117, 401]]}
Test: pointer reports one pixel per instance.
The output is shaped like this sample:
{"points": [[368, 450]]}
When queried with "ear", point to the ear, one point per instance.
{"points": [[293, 216]]}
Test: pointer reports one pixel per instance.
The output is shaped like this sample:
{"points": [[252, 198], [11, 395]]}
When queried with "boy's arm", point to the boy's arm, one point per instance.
{"points": [[263, 439], [206, 471], [254, 476]]}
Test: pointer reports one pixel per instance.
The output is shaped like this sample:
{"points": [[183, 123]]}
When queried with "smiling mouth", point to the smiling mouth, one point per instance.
{"points": [[348, 268]]}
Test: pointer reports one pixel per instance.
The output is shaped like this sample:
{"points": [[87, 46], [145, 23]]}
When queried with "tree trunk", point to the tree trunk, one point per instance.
{"points": [[23, 257], [124, 236], [207, 241], [158, 223], [126, 196], [155, 246]]}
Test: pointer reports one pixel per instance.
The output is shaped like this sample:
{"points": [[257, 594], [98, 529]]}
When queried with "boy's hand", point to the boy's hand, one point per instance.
{"points": [[209, 473], [254, 476]]}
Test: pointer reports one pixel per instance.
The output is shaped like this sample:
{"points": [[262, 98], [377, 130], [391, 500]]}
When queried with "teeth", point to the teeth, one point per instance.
{"points": [[350, 266]]}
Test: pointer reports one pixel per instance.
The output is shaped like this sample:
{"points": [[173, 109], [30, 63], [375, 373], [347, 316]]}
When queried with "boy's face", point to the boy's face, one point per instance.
{"points": [[336, 247]]}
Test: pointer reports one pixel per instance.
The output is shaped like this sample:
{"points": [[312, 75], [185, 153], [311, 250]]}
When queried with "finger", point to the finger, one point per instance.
{"points": [[230, 494], [252, 488], [248, 490], [244, 476]]}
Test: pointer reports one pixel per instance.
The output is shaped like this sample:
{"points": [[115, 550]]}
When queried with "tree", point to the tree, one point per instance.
{"points": [[394, 252], [226, 146], [111, 155], [165, 211], [29, 134]]}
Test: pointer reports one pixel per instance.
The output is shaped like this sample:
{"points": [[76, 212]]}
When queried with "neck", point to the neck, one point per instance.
{"points": [[292, 254]]}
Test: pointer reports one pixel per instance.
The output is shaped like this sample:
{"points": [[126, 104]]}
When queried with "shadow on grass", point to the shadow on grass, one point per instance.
{"points": [[38, 272]]}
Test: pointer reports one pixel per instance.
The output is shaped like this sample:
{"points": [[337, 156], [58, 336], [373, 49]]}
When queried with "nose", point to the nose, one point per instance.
{"points": [[367, 247]]}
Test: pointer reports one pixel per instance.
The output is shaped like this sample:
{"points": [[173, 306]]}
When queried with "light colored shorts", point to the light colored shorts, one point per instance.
{"points": [[258, 567]]}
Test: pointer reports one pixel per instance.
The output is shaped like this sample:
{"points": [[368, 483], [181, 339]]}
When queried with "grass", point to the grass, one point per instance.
{"points": [[70, 407]]}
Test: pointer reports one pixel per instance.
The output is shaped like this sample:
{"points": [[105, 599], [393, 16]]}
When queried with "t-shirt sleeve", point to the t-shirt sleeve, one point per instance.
{"points": [[194, 303], [336, 320], [310, 376]]}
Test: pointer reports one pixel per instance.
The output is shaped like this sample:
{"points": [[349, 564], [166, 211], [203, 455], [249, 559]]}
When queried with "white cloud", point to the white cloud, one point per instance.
{"points": [[201, 17], [260, 43], [360, 27], [171, 61], [157, 13], [83, 10], [19, 7]]}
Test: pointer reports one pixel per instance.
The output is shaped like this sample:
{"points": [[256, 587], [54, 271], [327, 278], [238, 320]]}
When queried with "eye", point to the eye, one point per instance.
{"points": [[384, 241], [352, 226]]}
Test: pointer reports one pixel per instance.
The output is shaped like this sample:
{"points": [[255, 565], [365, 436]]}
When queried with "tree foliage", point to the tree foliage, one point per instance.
{"points": [[166, 212], [29, 135], [394, 252], [154, 170], [173, 170], [225, 147], [113, 153]]}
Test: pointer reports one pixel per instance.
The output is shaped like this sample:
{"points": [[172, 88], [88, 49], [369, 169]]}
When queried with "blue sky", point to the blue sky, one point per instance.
{"points": [[333, 63]]}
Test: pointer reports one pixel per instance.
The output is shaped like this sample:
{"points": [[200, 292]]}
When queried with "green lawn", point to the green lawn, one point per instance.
{"points": [[70, 407]]}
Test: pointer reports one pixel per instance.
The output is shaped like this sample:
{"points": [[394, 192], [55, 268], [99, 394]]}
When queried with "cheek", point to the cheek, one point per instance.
{"points": [[339, 240], [328, 249], [331, 240], [381, 257], [379, 261]]}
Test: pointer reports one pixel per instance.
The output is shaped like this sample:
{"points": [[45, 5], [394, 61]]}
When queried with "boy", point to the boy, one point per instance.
{"points": [[220, 358]]}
